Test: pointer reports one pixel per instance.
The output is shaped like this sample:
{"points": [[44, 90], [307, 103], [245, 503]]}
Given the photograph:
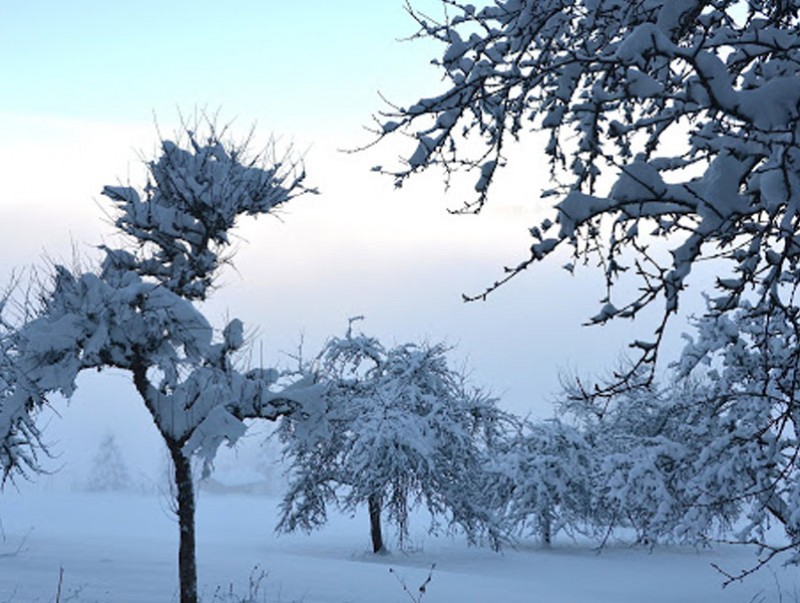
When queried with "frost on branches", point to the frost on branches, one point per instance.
{"points": [[397, 427], [648, 444], [670, 120], [137, 313], [633, 466]]}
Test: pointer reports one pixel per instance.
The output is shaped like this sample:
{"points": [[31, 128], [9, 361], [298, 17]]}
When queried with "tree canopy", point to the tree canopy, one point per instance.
{"points": [[396, 427], [666, 121]]}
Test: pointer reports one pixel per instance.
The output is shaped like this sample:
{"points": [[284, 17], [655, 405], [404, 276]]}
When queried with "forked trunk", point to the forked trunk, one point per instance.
{"points": [[374, 502], [187, 563]]}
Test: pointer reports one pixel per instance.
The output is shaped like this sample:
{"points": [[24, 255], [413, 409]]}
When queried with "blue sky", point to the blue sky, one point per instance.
{"points": [[298, 63], [83, 83]]}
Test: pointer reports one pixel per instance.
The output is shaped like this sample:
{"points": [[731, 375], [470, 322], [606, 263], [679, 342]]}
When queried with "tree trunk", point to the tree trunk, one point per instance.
{"points": [[374, 502], [546, 528], [187, 562]]}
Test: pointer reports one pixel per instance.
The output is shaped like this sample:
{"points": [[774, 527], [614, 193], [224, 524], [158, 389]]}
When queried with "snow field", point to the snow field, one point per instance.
{"points": [[121, 548]]}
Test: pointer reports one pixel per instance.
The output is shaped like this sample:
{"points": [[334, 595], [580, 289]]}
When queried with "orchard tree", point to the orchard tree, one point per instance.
{"points": [[671, 129], [710, 457], [139, 313], [652, 459], [541, 480], [748, 362], [397, 427], [648, 444]]}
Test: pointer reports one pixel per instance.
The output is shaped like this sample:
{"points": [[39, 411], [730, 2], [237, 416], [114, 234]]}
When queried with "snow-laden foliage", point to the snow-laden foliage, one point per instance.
{"points": [[711, 456], [396, 428], [648, 444], [752, 384], [192, 201], [132, 317], [137, 313], [21, 445], [631, 464], [674, 120], [541, 479]]}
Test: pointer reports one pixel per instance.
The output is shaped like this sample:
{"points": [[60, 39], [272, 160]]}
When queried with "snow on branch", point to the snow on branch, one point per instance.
{"points": [[394, 428], [193, 199], [137, 312], [668, 123]]}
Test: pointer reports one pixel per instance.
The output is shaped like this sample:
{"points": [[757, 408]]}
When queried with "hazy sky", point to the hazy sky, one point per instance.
{"points": [[84, 84]]}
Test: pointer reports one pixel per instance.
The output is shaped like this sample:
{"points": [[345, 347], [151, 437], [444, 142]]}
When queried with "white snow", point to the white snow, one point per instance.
{"points": [[121, 548]]}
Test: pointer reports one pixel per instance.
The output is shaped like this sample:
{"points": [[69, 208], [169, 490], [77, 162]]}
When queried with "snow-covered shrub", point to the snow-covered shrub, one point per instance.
{"points": [[749, 367], [650, 444], [713, 453]]}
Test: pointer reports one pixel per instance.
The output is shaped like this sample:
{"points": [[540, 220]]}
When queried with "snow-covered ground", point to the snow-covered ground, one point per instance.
{"points": [[122, 548]]}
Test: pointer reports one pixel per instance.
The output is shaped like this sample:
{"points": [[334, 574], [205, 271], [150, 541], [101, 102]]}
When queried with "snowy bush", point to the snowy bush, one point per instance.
{"points": [[541, 480], [750, 368], [663, 463], [712, 455]]}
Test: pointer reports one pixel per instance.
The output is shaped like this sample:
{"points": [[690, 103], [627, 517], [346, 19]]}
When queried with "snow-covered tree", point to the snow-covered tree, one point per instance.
{"points": [[711, 456], [748, 363], [646, 444], [397, 427], [651, 459], [138, 312], [541, 479], [109, 471], [663, 120]]}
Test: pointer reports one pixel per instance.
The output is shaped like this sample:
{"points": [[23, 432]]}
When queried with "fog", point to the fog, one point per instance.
{"points": [[360, 247]]}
